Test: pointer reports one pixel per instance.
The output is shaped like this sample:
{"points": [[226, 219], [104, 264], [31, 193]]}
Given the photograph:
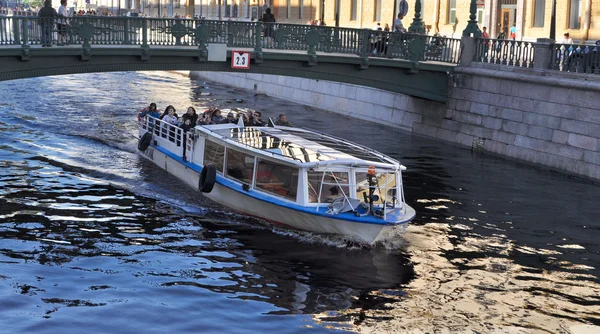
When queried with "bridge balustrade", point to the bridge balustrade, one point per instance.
{"points": [[504, 52], [562, 57], [576, 58], [105, 30]]}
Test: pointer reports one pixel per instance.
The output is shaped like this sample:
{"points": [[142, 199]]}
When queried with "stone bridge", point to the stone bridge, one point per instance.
{"points": [[413, 64]]}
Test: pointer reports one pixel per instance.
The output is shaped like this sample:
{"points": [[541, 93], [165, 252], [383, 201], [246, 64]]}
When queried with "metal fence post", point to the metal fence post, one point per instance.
{"points": [[126, 31], [16, 30], [229, 33], [542, 54], [25, 32], [258, 35], [365, 48], [145, 47]]}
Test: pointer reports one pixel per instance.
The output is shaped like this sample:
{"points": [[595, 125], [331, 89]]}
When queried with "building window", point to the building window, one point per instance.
{"points": [[288, 9], [214, 154], [479, 15], [377, 11], [539, 13], [329, 185], [452, 12], [277, 179], [301, 12], [575, 14], [353, 9], [240, 166]]}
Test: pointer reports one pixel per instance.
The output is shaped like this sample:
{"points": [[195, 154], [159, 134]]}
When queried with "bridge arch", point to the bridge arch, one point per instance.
{"points": [[429, 82], [104, 44]]}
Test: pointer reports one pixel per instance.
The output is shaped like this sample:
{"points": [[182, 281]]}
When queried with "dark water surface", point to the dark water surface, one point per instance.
{"points": [[95, 239]]}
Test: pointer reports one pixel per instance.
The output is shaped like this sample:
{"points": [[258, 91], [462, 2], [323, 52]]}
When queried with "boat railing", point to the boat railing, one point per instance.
{"points": [[384, 206], [336, 183], [241, 142], [362, 148], [165, 134]]}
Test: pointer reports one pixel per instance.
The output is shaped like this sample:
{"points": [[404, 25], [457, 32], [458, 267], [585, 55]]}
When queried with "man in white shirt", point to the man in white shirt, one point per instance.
{"points": [[398, 26], [62, 23]]}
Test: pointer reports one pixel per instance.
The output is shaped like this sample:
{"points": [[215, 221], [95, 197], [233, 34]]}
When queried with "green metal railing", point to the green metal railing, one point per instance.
{"points": [[147, 32], [505, 52]]}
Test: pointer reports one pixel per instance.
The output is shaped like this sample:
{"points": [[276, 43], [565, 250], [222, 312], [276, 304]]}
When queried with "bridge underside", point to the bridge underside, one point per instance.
{"points": [[428, 81]]}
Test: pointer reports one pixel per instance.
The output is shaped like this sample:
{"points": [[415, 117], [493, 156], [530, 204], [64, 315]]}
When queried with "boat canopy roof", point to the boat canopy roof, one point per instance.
{"points": [[300, 146]]}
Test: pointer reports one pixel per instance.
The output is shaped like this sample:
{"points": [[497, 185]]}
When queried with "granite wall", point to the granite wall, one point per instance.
{"points": [[535, 116]]}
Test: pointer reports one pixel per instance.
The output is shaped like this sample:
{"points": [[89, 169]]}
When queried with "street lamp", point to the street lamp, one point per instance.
{"points": [[472, 28], [323, 11], [553, 21], [337, 13]]}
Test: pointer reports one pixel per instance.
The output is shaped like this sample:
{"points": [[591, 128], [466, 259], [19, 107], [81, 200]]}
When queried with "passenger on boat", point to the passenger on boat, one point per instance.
{"points": [[150, 111], [282, 121], [211, 109], [204, 119], [191, 115], [267, 179], [230, 118], [187, 125], [167, 111], [245, 118], [170, 116], [255, 119], [216, 117]]}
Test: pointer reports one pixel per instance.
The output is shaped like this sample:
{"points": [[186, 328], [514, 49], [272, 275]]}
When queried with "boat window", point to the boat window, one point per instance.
{"points": [[335, 184], [240, 166], [385, 189], [214, 154], [277, 179]]}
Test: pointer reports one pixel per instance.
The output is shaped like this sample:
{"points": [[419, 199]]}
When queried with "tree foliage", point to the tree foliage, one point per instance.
{"points": [[34, 3]]}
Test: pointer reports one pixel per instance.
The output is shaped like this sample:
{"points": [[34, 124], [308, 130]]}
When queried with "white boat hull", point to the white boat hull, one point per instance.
{"points": [[243, 203]]}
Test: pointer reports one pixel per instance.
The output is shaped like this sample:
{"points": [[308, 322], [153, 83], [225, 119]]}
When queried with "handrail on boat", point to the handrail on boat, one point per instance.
{"points": [[247, 145], [362, 147]]}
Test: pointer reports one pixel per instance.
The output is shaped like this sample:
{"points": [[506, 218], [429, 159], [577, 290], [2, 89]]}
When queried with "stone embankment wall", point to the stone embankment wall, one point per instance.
{"points": [[548, 120]]}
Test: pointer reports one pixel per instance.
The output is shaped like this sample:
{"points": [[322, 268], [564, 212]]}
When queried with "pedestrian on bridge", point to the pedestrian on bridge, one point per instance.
{"points": [[63, 24], [398, 26], [47, 14]]}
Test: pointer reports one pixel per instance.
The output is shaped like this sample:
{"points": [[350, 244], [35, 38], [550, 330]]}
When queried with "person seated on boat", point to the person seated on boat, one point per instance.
{"points": [[230, 118], [267, 179], [204, 119], [171, 116], [167, 110], [211, 109], [149, 111], [191, 115], [255, 119], [187, 125], [216, 117], [282, 121], [244, 117]]}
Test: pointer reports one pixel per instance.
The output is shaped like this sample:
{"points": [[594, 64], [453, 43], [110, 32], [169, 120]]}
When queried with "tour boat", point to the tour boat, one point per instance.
{"points": [[288, 176]]}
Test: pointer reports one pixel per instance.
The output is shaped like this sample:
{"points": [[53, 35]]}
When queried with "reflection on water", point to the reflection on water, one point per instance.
{"points": [[80, 243], [472, 284], [93, 237]]}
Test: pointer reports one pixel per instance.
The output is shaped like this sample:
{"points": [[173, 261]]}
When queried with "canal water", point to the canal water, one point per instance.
{"points": [[95, 239]]}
